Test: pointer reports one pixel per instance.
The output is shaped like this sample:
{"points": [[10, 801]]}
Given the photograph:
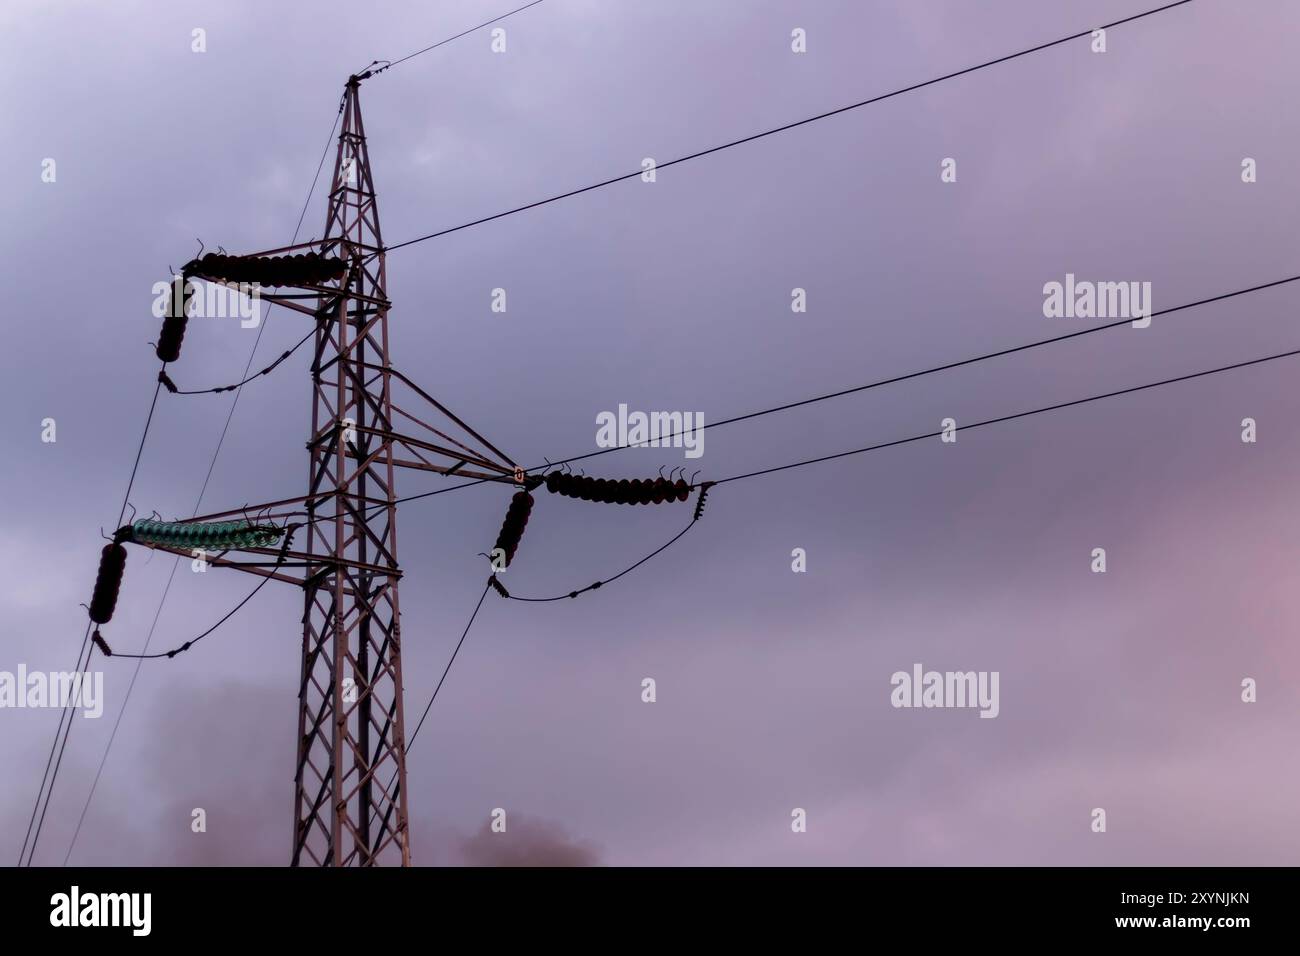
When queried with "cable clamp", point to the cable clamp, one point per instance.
{"points": [[704, 496]]}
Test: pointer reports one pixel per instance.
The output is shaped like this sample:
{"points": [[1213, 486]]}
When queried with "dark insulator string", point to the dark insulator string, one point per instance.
{"points": [[108, 583], [512, 529], [172, 335], [651, 491], [299, 269]]}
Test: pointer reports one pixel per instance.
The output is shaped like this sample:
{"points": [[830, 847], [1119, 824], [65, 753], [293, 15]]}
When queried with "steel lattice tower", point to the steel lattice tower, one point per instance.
{"points": [[350, 801], [350, 776]]}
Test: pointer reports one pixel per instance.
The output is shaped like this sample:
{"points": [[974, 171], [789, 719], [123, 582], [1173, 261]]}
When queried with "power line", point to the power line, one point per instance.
{"points": [[49, 761], [99, 771], [493, 582], [65, 728], [1007, 418], [789, 126], [224, 618], [432, 697], [811, 461], [446, 670], [464, 33], [940, 368], [171, 386], [879, 383], [197, 502], [597, 584]]}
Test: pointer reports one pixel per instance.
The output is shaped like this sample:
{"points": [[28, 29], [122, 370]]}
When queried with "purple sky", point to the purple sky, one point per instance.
{"points": [[1119, 691]]}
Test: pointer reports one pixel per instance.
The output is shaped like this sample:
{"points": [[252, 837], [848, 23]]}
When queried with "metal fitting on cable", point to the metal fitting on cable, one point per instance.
{"points": [[704, 496]]}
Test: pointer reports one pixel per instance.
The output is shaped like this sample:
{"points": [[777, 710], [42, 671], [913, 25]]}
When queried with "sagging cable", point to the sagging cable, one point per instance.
{"points": [[284, 548], [597, 585], [172, 387]]}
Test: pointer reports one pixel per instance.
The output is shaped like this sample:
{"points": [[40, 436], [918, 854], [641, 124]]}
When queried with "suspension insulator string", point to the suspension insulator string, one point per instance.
{"points": [[108, 582], [512, 529], [636, 492], [172, 335], [215, 536], [309, 268]]}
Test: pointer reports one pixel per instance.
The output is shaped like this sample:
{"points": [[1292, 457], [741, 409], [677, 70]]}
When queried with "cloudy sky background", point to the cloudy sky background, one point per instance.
{"points": [[1118, 691]]}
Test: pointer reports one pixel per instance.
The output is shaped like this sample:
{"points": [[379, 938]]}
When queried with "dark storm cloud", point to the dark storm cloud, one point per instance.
{"points": [[526, 842]]}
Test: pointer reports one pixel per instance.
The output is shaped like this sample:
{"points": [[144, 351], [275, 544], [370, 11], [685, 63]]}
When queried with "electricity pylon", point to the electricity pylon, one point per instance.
{"points": [[350, 795], [350, 778]]}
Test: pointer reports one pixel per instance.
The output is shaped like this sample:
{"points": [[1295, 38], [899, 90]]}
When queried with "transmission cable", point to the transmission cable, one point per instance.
{"points": [[500, 589], [198, 501], [86, 653], [870, 385], [171, 386], [432, 697], [787, 126], [465, 33], [931, 371], [1007, 418]]}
